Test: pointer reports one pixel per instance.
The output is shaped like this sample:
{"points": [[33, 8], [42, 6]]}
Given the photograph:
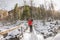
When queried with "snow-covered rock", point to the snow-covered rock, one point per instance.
{"points": [[50, 38]]}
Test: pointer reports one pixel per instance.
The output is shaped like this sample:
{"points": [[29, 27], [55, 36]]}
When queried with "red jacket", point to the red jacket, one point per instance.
{"points": [[29, 22]]}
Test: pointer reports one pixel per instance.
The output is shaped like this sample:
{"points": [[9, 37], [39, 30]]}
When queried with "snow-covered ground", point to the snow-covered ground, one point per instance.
{"points": [[40, 31]]}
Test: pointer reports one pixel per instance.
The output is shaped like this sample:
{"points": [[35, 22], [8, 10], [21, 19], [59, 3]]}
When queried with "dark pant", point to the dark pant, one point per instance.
{"points": [[30, 28]]}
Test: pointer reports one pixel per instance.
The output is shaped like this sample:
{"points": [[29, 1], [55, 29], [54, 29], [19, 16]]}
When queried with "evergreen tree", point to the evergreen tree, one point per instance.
{"points": [[19, 14], [26, 12], [15, 14]]}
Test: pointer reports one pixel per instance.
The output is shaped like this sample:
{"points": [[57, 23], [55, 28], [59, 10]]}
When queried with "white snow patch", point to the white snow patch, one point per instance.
{"points": [[57, 37]]}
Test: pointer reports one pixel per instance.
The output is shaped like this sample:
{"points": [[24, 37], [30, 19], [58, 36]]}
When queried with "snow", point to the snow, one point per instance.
{"points": [[38, 29], [50, 38], [26, 36], [32, 36], [57, 37], [8, 37], [1, 37]]}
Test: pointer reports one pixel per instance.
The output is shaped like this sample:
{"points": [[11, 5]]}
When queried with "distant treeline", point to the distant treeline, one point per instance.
{"points": [[26, 11]]}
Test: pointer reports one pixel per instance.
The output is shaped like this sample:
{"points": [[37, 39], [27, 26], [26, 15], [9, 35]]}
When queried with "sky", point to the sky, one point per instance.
{"points": [[9, 4]]}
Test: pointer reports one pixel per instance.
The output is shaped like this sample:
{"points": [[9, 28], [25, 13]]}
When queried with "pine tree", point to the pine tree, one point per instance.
{"points": [[26, 12], [15, 14], [19, 14]]}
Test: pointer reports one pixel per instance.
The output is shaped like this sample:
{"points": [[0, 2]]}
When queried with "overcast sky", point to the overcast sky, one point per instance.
{"points": [[9, 4]]}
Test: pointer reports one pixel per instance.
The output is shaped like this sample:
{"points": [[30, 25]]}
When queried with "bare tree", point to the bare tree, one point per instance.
{"points": [[52, 8]]}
